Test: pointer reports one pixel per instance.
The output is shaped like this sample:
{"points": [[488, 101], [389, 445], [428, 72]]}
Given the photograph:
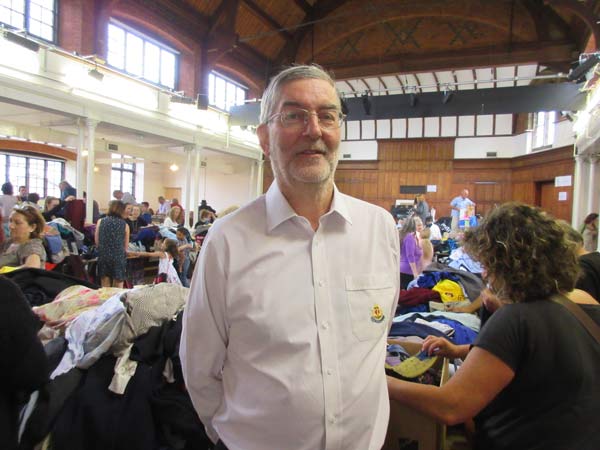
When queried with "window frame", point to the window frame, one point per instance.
{"points": [[121, 170], [547, 130], [212, 91], [28, 157], [145, 38], [27, 18]]}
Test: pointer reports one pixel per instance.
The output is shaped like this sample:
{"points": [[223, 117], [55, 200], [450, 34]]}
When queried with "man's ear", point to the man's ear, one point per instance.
{"points": [[263, 138]]}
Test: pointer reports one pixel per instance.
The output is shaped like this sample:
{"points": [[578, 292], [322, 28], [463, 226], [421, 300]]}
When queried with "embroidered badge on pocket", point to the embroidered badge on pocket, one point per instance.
{"points": [[377, 315]]}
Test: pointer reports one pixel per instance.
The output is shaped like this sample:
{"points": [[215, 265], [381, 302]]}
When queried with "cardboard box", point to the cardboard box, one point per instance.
{"points": [[409, 429]]}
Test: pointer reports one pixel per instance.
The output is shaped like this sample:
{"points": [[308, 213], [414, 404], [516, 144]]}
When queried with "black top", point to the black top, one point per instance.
{"points": [[135, 225], [553, 402], [23, 366], [590, 276]]}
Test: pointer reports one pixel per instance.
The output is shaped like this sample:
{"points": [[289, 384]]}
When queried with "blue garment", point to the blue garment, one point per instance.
{"points": [[430, 279], [462, 334], [408, 328], [68, 191]]}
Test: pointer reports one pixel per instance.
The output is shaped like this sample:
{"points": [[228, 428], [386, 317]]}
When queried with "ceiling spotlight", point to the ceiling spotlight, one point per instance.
{"points": [[96, 169], [448, 94], [20, 40], [366, 102], [344, 104], [180, 98], [202, 102], [96, 74], [412, 99], [174, 167]]}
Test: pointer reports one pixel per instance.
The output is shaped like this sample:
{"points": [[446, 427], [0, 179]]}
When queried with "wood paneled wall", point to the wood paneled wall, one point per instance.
{"points": [[431, 162]]}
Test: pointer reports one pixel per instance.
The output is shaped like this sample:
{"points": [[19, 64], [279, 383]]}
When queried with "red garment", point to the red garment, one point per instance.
{"points": [[418, 296], [75, 214]]}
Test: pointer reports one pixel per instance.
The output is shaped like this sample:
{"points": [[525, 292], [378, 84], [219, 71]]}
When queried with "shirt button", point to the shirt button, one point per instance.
{"points": [[329, 371], [332, 419], [321, 283], [325, 325]]}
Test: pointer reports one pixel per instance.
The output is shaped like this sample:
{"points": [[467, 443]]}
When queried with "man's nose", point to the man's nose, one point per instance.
{"points": [[312, 128]]}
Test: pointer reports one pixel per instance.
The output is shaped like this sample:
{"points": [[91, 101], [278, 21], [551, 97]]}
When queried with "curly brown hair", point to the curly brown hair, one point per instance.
{"points": [[525, 252]]}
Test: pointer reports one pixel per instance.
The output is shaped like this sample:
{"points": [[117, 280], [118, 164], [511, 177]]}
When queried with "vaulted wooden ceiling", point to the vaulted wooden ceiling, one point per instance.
{"points": [[372, 38]]}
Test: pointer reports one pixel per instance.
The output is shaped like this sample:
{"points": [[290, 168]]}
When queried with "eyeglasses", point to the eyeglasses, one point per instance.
{"points": [[297, 118]]}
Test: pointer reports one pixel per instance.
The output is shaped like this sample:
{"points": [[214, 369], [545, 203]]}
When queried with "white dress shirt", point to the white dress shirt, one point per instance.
{"points": [[163, 208], [284, 333]]}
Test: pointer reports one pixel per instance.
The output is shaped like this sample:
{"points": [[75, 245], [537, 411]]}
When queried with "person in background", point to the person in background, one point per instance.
{"points": [[135, 222], [460, 202], [163, 206], [185, 244], [427, 248], [33, 200], [24, 365], [422, 207], [25, 247], [435, 233], [589, 262], [23, 192], [520, 393], [171, 220], [410, 250], [146, 212], [112, 239], [95, 208], [7, 203], [589, 231], [180, 219], [167, 263], [295, 361], [66, 190]]}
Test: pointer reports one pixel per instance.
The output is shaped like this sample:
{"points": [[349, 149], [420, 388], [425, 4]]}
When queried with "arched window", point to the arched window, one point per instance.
{"points": [[139, 55], [225, 93]]}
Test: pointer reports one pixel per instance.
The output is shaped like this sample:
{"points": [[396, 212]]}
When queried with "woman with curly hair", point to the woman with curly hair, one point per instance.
{"points": [[531, 378]]}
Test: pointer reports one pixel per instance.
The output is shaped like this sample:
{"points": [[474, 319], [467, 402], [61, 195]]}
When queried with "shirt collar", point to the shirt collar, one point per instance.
{"points": [[279, 210]]}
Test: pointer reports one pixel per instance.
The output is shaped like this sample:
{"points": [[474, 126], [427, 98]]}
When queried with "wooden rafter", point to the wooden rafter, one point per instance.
{"points": [[320, 10], [267, 19], [401, 83], [552, 52], [304, 6], [583, 11], [384, 85]]}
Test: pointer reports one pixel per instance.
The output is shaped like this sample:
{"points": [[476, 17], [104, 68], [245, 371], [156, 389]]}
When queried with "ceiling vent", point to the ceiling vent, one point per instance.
{"points": [[491, 154], [347, 156], [112, 147]]}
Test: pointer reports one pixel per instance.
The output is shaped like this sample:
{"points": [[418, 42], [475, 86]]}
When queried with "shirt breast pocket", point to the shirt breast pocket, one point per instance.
{"points": [[370, 298]]}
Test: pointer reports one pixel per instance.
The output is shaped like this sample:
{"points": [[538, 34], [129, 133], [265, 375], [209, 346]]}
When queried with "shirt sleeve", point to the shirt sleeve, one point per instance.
{"points": [[410, 248], [502, 336], [204, 326], [32, 247]]}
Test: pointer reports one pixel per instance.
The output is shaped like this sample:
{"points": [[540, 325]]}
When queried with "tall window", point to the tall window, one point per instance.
{"points": [[38, 17], [140, 55], [122, 175], [543, 129], [41, 176], [224, 93]]}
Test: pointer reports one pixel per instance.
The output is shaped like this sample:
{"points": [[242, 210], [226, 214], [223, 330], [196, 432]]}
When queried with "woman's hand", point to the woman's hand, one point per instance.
{"points": [[435, 345]]}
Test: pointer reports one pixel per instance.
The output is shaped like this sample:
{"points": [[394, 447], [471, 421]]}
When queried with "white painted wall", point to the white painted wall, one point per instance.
{"points": [[358, 150], [509, 146]]}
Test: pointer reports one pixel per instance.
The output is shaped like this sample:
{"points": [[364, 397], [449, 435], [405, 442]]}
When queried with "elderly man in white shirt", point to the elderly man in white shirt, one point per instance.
{"points": [[284, 333]]}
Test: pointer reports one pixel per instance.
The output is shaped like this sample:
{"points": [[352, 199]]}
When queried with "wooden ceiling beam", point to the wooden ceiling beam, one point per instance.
{"points": [[555, 53], [583, 11], [304, 6], [267, 19], [320, 10]]}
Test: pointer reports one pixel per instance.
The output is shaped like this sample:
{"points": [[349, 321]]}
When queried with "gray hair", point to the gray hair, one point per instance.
{"points": [[300, 72]]}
